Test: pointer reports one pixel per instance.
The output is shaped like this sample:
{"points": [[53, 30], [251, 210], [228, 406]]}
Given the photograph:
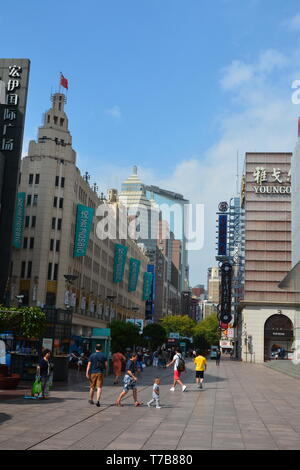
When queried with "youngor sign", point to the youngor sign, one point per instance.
{"points": [[134, 271], [119, 262], [19, 220], [222, 241], [84, 219]]}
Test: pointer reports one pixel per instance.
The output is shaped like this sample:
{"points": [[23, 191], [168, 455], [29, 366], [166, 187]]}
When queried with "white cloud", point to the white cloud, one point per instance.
{"points": [[293, 24], [115, 112]]}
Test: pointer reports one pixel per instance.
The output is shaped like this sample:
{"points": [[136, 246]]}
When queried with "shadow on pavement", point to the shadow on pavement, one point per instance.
{"points": [[4, 417]]}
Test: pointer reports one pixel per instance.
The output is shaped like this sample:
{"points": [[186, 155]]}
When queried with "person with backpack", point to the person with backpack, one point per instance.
{"points": [[97, 364], [179, 366]]}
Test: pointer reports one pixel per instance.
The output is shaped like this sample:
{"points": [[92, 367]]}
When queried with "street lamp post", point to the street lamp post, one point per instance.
{"points": [[135, 310]]}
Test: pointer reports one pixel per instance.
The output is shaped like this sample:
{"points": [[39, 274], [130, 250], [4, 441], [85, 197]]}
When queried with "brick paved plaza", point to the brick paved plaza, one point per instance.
{"points": [[243, 406]]}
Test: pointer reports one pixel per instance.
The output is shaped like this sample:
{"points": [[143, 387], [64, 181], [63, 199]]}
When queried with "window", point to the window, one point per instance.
{"points": [[56, 181], [57, 246], [55, 201], [51, 244], [35, 199], [23, 267], [29, 268], [62, 182], [55, 119], [49, 271], [28, 199], [61, 202], [61, 121], [48, 118], [20, 176], [30, 178], [37, 178], [55, 272], [59, 222], [33, 221], [25, 242], [31, 246], [27, 218], [53, 223]]}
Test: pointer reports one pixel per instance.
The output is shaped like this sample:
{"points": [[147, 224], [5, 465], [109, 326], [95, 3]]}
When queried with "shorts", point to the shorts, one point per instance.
{"points": [[177, 374], [96, 380], [199, 374], [129, 383]]}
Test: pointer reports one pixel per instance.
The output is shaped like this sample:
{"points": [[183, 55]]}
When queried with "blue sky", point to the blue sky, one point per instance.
{"points": [[176, 87]]}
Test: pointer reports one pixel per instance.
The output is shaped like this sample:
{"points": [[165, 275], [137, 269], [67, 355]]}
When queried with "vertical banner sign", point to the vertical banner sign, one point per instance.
{"points": [[84, 219], [222, 242], [119, 262], [14, 75], [134, 271], [150, 307], [147, 286], [19, 220]]}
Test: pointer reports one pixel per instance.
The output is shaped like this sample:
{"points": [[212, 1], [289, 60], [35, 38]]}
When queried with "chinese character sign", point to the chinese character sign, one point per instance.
{"points": [[19, 220], [222, 241], [84, 219], [134, 271], [147, 286], [119, 262]]}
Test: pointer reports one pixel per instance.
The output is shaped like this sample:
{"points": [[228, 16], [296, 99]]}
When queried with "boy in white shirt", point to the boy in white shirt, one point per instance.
{"points": [[155, 393]]}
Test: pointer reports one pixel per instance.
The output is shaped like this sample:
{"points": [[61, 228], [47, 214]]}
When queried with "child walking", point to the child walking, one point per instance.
{"points": [[155, 393]]}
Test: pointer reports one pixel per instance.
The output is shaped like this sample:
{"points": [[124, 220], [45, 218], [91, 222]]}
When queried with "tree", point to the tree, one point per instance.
{"points": [[124, 335], [181, 324], [209, 330], [26, 321], [154, 334]]}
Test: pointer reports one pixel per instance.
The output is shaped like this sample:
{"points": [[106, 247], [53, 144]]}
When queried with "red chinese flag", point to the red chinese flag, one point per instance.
{"points": [[63, 81]]}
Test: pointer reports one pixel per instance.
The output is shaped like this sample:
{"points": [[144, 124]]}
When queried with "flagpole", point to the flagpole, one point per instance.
{"points": [[59, 89]]}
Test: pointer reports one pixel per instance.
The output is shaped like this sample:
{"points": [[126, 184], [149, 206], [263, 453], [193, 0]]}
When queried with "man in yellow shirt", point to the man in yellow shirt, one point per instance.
{"points": [[200, 363]]}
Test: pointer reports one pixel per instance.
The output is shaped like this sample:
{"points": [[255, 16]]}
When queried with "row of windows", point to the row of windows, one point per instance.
{"points": [[55, 118], [37, 178], [52, 271], [32, 200], [54, 245], [62, 181], [26, 273], [27, 221], [56, 223], [60, 202], [30, 244]]}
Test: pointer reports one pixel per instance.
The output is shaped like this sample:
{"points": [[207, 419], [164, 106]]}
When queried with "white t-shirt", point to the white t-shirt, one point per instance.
{"points": [[154, 391], [176, 357]]}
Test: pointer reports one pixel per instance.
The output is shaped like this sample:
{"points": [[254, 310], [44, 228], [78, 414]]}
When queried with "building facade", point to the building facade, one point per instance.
{"points": [[42, 267], [270, 315]]}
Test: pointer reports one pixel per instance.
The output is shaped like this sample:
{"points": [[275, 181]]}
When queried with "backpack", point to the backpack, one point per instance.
{"points": [[181, 364]]}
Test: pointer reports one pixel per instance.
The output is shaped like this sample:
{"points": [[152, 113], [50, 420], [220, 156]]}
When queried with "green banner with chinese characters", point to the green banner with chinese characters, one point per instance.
{"points": [[19, 220], [119, 262], [147, 286], [134, 271], [84, 219]]}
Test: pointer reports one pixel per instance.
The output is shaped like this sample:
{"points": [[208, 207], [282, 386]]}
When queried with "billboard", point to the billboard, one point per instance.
{"points": [[84, 219], [14, 76], [119, 262], [222, 239], [134, 271]]}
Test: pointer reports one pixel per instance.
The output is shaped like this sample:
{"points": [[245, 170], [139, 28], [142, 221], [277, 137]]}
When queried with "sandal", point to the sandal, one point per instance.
{"points": [[138, 403], [119, 404]]}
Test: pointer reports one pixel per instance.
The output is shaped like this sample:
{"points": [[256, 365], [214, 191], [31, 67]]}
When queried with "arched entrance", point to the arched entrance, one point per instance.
{"points": [[279, 333]]}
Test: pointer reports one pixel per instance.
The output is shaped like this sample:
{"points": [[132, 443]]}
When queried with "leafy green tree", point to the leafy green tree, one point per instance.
{"points": [[181, 324], [27, 321], [208, 329], [154, 334], [124, 335]]}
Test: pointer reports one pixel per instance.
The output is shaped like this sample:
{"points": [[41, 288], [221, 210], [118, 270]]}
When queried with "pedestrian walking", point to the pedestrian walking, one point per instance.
{"points": [[45, 372], [118, 360], [179, 366], [97, 364], [130, 380], [218, 357], [155, 358], [200, 365], [155, 394]]}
